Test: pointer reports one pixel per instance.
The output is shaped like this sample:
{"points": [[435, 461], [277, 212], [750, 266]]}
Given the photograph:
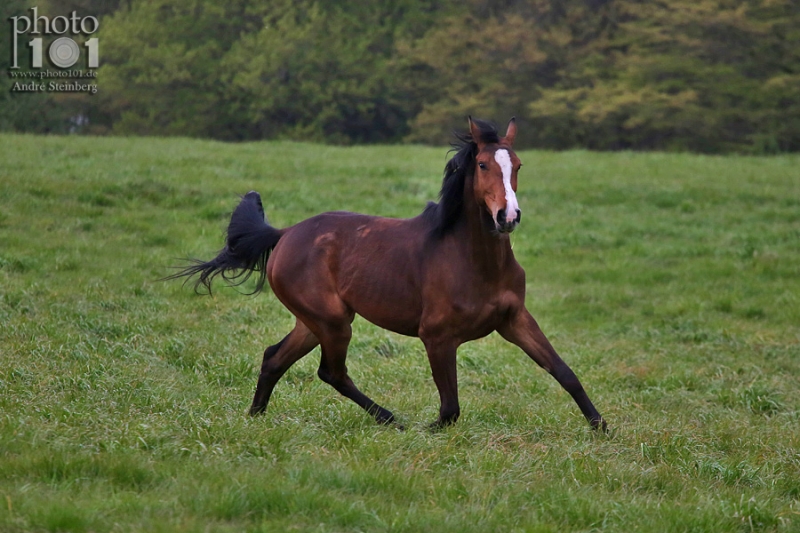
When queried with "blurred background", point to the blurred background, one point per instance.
{"points": [[710, 76]]}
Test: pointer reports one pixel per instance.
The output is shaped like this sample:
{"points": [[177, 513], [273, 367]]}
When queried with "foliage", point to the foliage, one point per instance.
{"points": [[703, 76], [669, 282], [296, 69], [496, 58], [300, 78], [163, 61], [688, 75]]}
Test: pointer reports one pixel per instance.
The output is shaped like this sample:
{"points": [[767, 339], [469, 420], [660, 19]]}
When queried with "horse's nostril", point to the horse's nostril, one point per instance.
{"points": [[519, 216], [501, 217]]}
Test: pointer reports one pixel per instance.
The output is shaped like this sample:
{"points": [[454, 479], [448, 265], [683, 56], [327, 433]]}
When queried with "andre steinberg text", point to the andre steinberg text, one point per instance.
{"points": [[55, 86]]}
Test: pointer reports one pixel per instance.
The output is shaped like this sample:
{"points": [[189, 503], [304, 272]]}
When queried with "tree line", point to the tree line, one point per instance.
{"points": [[712, 76]]}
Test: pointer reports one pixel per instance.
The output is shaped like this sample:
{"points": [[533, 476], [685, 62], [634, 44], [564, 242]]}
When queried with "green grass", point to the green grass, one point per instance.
{"points": [[670, 284]]}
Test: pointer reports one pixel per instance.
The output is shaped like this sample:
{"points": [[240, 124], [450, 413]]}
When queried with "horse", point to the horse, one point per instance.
{"points": [[446, 276]]}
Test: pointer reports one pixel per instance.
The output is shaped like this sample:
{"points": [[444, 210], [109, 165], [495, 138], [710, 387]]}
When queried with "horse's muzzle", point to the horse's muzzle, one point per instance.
{"points": [[504, 224]]}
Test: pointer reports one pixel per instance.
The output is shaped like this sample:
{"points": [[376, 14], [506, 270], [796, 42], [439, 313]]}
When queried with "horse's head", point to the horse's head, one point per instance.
{"points": [[495, 179]]}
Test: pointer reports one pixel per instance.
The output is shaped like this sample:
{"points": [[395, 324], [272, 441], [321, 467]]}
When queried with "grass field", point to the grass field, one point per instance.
{"points": [[669, 283]]}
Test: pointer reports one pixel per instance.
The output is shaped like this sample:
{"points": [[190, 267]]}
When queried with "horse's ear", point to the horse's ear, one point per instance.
{"points": [[475, 131], [511, 132]]}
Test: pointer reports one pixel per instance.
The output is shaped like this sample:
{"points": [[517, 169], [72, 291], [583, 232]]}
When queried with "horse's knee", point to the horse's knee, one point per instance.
{"points": [[340, 382], [272, 370], [270, 352], [325, 375]]}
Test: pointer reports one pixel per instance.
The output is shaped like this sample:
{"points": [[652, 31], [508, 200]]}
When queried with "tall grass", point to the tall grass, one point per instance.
{"points": [[670, 284]]}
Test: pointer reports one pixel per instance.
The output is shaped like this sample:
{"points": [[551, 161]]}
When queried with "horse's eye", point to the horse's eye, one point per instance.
{"points": [[482, 166]]}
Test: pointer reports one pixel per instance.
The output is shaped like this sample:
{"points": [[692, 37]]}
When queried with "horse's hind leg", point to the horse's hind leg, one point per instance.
{"points": [[277, 360], [333, 371], [523, 331]]}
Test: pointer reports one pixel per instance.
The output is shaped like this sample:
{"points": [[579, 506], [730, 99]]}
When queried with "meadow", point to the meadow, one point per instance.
{"points": [[669, 282]]}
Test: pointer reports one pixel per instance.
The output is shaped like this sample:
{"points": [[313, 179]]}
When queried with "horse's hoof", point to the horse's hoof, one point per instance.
{"points": [[396, 425], [600, 425], [390, 421], [441, 424], [383, 416], [255, 411]]}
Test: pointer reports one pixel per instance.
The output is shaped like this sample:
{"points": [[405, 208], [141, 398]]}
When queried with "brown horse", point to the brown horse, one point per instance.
{"points": [[447, 276]]}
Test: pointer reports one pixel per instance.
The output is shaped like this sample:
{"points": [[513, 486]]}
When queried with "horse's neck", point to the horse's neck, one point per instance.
{"points": [[489, 251]]}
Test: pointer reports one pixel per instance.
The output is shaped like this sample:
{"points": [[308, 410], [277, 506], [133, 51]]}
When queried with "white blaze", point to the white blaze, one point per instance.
{"points": [[504, 160]]}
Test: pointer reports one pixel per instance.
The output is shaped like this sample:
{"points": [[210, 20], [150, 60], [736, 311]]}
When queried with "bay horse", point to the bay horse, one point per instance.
{"points": [[447, 276]]}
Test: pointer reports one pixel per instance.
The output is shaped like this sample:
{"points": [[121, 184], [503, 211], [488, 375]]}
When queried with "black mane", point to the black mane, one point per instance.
{"points": [[451, 198]]}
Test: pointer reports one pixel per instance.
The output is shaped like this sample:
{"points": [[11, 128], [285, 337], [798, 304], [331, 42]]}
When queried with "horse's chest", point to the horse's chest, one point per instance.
{"points": [[472, 314], [479, 308], [467, 302]]}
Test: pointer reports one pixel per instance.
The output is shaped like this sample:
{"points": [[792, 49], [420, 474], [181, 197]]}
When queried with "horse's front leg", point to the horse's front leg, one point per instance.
{"points": [[522, 330], [442, 357]]}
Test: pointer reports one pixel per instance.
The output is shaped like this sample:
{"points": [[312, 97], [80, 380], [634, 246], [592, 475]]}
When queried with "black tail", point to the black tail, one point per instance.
{"points": [[249, 242]]}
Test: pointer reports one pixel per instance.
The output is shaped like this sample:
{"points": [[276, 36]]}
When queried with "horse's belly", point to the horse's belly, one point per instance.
{"points": [[386, 302], [403, 325], [378, 275]]}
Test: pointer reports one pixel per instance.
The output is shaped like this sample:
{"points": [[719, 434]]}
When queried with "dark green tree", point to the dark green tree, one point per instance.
{"points": [[706, 76], [697, 75]]}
